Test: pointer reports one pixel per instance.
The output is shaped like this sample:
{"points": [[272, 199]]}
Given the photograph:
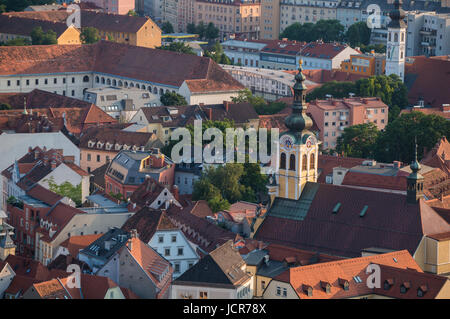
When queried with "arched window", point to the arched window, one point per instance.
{"points": [[395, 37], [108, 81], [403, 36], [312, 161], [292, 162], [390, 39], [283, 161], [120, 83], [138, 86], [126, 84], [155, 90], [114, 82], [103, 80], [97, 79], [86, 78], [161, 91], [304, 162]]}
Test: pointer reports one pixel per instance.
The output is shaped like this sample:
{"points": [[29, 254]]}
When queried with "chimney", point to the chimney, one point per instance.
{"points": [[176, 192], [30, 149], [210, 114], [226, 105]]}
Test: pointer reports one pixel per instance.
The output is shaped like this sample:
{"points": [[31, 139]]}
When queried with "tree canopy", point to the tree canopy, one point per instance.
{"points": [[66, 189], [178, 47], [396, 142], [230, 183], [167, 27], [217, 54], [89, 35], [358, 34], [39, 37], [326, 30], [172, 98]]}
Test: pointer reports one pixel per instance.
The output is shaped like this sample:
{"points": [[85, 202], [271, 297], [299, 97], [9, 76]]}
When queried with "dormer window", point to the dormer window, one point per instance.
{"points": [[388, 284], [91, 144], [126, 147], [99, 144], [307, 289], [344, 283], [325, 286], [108, 146], [404, 287], [421, 291], [118, 146]]}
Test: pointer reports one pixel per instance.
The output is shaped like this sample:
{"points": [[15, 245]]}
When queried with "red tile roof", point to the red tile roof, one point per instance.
{"points": [[326, 163], [396, 268], [76, 243], [439, 156], [152, 65], [375, 181], [389, 222], [147, 221], [427, 79], [10, 24], [323, 76]]}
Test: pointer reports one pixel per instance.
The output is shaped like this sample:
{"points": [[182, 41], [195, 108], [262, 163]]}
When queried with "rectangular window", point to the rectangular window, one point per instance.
{"points": [[98, 158], [89, 157], [166, 251], [174, 238], [180, 251], [203, 295]]}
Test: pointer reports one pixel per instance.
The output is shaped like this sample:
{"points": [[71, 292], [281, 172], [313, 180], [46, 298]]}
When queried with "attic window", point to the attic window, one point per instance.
{"points": [[363, 211], [336, 208], [405, 286], [421, 291], [307, 290], [388, 283], [326, 286], [344, 283]]}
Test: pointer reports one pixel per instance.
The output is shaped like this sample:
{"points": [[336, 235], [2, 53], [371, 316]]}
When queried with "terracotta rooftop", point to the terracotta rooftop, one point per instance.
{"points": [[99, 20], [439, 156], [326, 163], [323, 76], [76, 243], [397, 268], [11, 24], [427, 79], [363, 219], [147, 221], [151, 65], [111, 136]]}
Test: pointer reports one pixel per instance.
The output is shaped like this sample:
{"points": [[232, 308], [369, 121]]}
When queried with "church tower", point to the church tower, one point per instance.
{"points": [[297, 163], [396, 48], [414, 182]]}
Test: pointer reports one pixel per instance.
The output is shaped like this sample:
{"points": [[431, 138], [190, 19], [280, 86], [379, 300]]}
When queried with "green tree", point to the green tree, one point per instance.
{"points": [[190, 28], [5, 106], [132, 13], [200, 29], [358, 140], [66, 189], [89, 35], [396, 142], [211, 32], [326, 30], [378, 48], [39, 37], [167, 27], [172, 98], [358, 34], [217, 54], [18, 42], [178, 47]]}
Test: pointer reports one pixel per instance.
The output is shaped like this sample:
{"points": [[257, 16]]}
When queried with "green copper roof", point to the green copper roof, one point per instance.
{"points": [[295, 209]]}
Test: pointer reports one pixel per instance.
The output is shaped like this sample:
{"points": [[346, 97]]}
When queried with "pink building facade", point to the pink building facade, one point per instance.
{"points": [[332, 116], [114, 6]]}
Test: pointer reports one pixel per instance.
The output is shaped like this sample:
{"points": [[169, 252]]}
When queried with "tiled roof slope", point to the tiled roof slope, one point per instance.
{"points": [[20, 26], [397, 268], [98, 20], [41, 99], [152, 65], [221, 268], [113, 136], [147, 221], [326, 163], [439, 156], [389, 222], [427, 78]]}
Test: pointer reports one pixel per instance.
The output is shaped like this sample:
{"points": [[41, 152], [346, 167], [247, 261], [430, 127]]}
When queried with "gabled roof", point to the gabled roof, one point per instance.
{"points": [[364, 219], [396, 268], [156, 267], [221, 268], [147, 192], [439, 156], [10, 24], [27, 267], [113, 136], [99, 20], [147, 221]]}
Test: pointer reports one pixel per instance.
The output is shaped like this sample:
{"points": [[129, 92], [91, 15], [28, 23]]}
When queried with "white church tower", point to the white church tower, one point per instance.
{"points": [[396, 48]]}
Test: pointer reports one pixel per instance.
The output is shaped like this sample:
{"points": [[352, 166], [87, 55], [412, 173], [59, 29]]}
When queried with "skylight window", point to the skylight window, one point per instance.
{"points": [[336, 208], [363, 211], [357, 279]]}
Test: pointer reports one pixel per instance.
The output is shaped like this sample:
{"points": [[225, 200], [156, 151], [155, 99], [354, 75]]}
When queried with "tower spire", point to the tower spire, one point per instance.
{"points": [[414, 180], [299, 121]]}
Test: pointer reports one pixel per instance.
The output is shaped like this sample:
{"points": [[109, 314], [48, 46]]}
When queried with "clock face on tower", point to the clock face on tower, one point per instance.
{"points": [[310, 142], [286, 142]]}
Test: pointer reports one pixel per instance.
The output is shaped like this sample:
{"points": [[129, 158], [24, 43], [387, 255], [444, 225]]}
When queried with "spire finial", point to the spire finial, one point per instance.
{"points": [[415, 166]]}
